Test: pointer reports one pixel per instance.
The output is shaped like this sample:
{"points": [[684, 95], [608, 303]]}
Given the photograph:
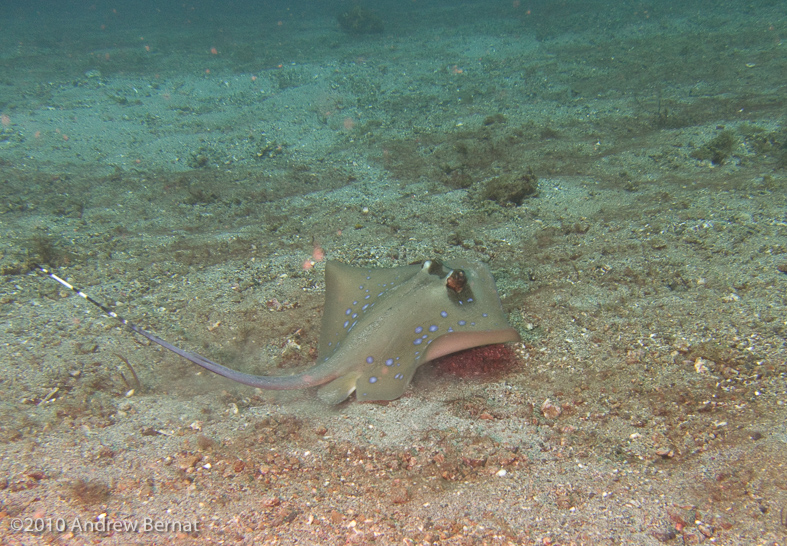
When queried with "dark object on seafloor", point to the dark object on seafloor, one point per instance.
{"points": [[358, 20]]}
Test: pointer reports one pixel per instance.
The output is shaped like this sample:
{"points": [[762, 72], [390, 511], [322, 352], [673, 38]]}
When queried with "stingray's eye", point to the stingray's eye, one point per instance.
{"points": [[456, 280], [434, 267]]}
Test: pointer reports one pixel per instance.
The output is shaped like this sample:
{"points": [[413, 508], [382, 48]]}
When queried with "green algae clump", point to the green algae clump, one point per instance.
{"points": [[718, 149], [509, 188]]}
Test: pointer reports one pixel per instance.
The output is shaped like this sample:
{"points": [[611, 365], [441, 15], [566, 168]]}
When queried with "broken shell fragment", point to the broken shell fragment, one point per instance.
{"points": [[550, 410]]}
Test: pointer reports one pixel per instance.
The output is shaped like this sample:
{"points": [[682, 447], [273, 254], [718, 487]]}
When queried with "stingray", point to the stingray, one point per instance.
{"points": [[379, 326]]}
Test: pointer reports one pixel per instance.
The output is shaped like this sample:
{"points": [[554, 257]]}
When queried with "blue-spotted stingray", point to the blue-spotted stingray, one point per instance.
{"points": [[379, 325]]}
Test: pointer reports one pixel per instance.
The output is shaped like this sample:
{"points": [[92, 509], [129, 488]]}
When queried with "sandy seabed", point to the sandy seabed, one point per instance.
{"points": [[185, 169]]}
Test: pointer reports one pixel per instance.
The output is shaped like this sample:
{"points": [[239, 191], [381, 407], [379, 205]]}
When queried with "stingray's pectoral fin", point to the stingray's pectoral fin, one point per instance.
{"points": [[339, 389]]}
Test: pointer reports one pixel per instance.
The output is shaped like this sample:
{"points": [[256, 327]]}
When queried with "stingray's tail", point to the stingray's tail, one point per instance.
{"points": [[279, 383]]}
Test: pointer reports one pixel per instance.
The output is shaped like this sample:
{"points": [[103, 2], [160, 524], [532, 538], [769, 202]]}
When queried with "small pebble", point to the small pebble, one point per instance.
{"points": [[665, 452], [550, 410]]}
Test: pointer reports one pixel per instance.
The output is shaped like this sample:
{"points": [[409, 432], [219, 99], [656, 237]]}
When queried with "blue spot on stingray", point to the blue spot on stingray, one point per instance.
{"points": [[366, 297], [399, 376], [450, 329], [472, 324], [369, 359], [372, 380], [418, 329], [380, 294], [462, 322], [433, 328], [348, 311], [346, 323], [355, 315], [360, 287], [389, 362], [443, 314], [484, 315], [417, 341], [367, 278], [469, 300]]}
